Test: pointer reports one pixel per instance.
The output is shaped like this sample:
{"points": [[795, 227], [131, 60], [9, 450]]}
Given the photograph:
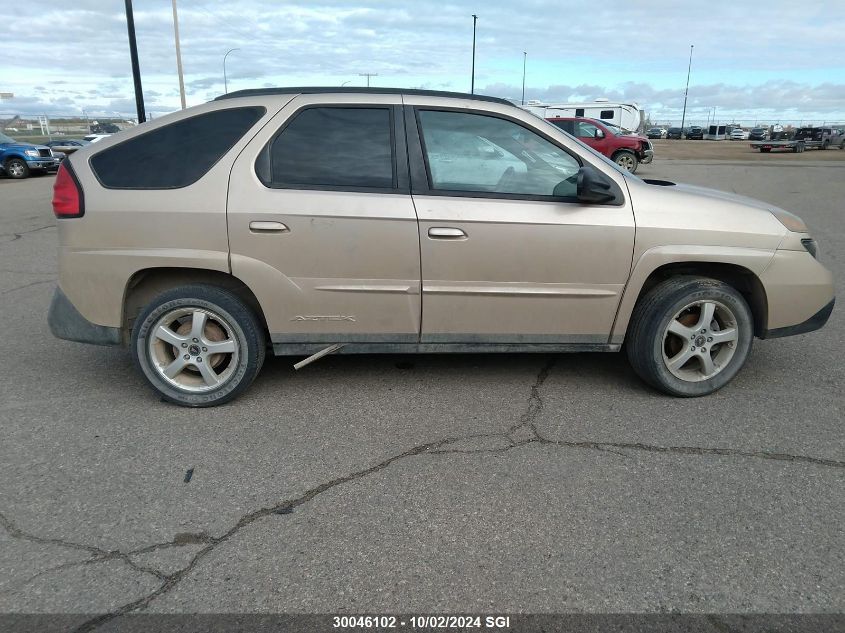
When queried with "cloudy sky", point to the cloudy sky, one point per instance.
{"points": [[753, 59]]}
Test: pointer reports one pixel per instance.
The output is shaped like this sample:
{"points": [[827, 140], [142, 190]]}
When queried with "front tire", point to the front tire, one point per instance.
{"points": [[17, 168], [689, 336], [198, 345], [627, 161]]}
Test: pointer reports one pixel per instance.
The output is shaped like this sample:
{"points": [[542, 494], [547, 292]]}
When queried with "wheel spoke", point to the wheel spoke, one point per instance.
{"points": [[724, 336], [680, 359], [169, 336], [174, 368], [707, 366], [208, 374], [198, 320], [679, 329], [221, 347], [708, 309]]}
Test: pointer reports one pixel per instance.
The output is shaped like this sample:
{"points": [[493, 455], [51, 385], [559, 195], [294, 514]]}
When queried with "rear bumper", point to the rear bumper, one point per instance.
{"points": [[815, 322], [67, 323]]}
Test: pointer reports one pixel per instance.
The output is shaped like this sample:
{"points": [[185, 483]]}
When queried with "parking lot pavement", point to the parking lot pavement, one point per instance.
{"points": [[534, 483]]}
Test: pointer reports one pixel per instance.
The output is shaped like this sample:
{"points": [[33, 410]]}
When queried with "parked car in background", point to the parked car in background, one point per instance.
{"points": [[626, 150], [655, 132], [316, 227], [67, 146], [22, 159], [738, 134], [758, 134], [94, 138], [674, 132], [837, 137], [695, 133]]}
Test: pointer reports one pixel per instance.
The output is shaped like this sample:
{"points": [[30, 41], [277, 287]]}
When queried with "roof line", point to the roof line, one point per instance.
{"points": [[261, 92]]}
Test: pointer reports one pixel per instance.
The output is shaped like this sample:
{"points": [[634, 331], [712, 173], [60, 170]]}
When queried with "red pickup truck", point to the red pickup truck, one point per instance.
{"points": [[626, 150]]}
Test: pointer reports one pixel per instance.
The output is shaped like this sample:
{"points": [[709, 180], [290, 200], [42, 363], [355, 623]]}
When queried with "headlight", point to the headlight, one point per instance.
{"points": [[31, 152]]}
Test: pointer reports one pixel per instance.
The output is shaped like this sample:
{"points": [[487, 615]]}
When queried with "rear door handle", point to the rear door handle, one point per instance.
{"points": [[446, 233], [268, 227]]}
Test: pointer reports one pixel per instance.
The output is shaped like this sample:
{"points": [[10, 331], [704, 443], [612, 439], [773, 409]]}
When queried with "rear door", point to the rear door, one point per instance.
{"points": [[321, 223]]}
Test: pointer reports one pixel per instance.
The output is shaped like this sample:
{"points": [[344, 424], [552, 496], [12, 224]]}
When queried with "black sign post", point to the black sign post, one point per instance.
{"points": [[136, 69]]}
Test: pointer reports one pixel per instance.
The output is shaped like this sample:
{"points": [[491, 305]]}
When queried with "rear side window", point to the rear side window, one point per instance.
{"points": [[344, 147], [176, 155]]}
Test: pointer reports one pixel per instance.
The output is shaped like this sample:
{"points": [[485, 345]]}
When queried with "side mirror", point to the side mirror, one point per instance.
{"points": [[596, 188], [599, 133]]}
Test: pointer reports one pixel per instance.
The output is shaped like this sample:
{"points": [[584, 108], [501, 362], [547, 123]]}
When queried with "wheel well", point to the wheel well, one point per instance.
{"points": [[741, 279], [146, 284]]}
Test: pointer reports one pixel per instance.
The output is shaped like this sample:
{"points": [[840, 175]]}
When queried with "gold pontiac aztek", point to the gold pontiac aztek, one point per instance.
{"points": [[321, 220]]}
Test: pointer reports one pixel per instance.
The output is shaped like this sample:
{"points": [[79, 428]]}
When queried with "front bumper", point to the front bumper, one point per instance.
{"points": [[647, 156], [47, 164], [67, 323], [815, 322]]}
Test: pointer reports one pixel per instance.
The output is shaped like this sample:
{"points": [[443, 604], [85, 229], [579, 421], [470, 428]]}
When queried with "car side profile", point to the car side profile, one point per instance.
{"points": [[625, 149], [322, 220]]}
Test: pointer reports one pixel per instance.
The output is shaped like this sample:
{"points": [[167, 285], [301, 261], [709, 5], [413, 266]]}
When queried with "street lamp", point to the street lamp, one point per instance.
{"points": [[344, 83], [225, 81], [686, 91], [368, 75], [472, 81], [524, 61]]}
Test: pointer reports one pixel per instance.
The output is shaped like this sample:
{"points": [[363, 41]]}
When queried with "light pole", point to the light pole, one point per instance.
{"points": [[524, 61], [344, 83], [178, 55], [136, 68], [225, 80], [472, 81], [686, 91], [368, 75]]}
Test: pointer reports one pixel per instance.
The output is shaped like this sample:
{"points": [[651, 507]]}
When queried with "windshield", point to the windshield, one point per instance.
{"points": [[6, 139]]}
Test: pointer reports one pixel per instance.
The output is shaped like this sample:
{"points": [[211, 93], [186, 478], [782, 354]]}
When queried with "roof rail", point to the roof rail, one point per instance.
{"points": [[261, 92]]}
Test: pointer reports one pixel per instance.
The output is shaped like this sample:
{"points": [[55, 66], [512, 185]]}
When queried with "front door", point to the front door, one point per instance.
{"points": [[508, 254], [321, 223]]}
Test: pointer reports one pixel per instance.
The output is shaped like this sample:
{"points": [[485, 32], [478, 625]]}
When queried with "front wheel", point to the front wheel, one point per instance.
{"points": [[17, 168], [198, 345], [627, 161], [689, 336]]}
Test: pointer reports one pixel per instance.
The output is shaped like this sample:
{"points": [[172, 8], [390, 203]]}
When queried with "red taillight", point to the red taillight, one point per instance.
{"points": [[68, 201]]}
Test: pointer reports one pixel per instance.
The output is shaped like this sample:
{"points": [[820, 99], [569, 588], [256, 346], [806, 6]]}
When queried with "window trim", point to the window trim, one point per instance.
{"points": [[399, 157], [421, 182], [246, 132]]}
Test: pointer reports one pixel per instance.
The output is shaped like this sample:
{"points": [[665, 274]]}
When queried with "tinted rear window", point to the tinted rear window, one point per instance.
{"points": [[175, 155], [333, 147]]}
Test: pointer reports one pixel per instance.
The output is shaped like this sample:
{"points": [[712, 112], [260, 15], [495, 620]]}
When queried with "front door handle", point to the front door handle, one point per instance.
{"points": [[268, 227], [446, 233]]}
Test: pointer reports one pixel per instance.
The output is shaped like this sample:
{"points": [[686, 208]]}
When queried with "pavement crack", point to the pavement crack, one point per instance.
{"points": [[525, 431], [29, 285]]}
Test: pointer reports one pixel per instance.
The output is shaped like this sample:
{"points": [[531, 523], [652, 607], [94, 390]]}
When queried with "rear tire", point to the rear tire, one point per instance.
{"points": [[198, 345], [689, 336], [17, 168]]}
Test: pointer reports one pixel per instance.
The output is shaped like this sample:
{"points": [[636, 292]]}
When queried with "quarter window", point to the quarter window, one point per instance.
{"points": [[175, 155], [477, 153], [607, 114], [333, 147]]}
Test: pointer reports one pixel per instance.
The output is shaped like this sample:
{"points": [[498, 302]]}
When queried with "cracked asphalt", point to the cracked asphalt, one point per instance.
{"points": [[511, 483]]}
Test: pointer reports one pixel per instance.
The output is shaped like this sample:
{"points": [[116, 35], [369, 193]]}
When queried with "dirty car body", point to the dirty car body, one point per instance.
{"points": [[328, 220]]}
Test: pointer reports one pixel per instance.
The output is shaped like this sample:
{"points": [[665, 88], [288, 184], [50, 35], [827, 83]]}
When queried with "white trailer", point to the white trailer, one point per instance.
{"points": [[628, 116]]}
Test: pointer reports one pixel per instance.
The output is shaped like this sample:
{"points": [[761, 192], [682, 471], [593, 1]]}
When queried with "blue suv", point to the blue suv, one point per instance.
{"points": [[21, 159]]}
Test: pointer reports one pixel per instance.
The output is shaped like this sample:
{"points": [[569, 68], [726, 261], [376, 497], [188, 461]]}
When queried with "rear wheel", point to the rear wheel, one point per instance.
{"points": [[689, 336], [198, 346], [626, 160], [826, 144], [17, 168]]}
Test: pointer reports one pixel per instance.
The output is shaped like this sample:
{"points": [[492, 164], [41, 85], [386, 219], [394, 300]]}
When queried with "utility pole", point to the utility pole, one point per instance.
{"points": [[686, 91], [178, 55], [136, 69], [368, 75], [524, 61], [472, 81]]}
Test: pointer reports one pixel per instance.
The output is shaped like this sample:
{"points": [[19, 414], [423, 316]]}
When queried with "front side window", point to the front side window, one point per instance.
{"points": [[478, 153], [586, 130], [334, 147]]}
